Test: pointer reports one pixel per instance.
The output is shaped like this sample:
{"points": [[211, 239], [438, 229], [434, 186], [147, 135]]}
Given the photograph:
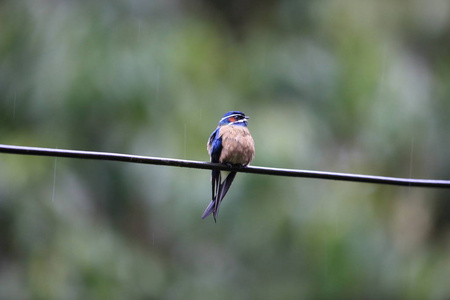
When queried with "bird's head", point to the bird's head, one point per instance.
{"points": [[234, 118]]}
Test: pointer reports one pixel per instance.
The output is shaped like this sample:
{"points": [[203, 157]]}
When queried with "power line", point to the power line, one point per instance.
{"points": [[210, 166]]}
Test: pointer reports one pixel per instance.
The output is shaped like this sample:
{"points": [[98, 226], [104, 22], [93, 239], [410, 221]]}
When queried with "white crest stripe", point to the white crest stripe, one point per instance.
{"points": [[233, 115]]}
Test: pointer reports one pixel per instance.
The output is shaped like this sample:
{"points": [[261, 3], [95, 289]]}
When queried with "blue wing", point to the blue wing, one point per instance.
{"points": [[215, 141], [219, 188]]}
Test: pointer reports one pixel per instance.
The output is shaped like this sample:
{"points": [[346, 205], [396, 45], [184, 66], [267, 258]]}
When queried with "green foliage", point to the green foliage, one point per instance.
{"points": [[349, 86]]}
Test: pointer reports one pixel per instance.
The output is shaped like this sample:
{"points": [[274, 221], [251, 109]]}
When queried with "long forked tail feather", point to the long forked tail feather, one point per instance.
{"points": [[215, 183], [209, 209], [219, 190]]}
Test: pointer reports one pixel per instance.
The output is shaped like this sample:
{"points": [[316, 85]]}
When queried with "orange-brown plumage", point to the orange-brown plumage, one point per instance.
{"points": [[237, 145]]}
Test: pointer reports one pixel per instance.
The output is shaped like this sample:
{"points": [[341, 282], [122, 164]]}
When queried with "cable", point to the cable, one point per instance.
{"points": [[11, 149]]}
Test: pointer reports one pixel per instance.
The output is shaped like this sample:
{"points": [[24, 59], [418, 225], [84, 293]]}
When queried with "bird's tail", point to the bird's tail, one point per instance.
{"points": [[219, 190]]}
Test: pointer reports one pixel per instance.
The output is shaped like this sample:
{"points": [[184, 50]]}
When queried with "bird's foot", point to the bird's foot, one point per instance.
{"points": [[236, 166]]}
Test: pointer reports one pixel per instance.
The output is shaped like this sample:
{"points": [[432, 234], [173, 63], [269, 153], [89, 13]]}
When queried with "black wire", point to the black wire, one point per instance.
{"points": [[210, 166]]}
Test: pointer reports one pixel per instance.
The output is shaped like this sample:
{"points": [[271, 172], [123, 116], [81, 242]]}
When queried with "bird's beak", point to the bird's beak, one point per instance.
{"points": [[246, 117]]}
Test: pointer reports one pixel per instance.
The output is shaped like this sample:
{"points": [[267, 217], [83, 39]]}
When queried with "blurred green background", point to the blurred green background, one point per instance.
{"points": [[346, 86]]}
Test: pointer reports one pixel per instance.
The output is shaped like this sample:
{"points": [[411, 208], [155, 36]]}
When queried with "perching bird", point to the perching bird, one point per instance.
{"points": [[232, 144]]}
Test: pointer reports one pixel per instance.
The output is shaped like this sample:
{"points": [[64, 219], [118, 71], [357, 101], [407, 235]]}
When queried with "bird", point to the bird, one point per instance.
{"points": [[232, 144]]}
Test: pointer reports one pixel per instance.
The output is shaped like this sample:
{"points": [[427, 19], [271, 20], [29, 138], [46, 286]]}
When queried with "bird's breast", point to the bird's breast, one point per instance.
{"points": [[237, 145]]}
